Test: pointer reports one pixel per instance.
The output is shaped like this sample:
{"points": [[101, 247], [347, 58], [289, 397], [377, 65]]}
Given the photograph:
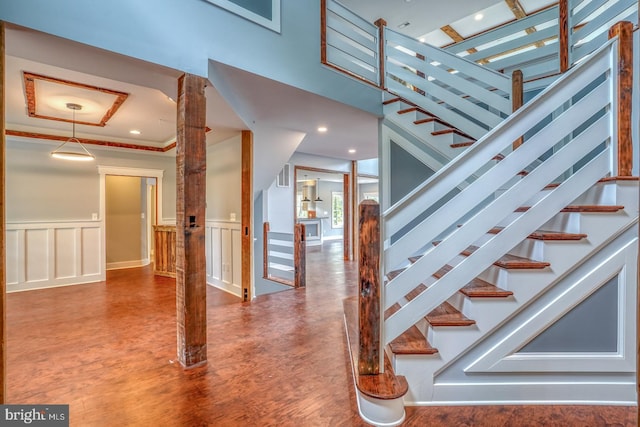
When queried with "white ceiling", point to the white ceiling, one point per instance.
{"points": [[150, 109]]}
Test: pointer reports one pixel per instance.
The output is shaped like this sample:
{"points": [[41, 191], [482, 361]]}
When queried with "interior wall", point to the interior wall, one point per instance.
{"points": [[123, 222], [224, 180], [43, 189]]}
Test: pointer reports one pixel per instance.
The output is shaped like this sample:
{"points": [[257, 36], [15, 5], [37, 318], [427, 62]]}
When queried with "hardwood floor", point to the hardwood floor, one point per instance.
{"points": [[109, 351]]}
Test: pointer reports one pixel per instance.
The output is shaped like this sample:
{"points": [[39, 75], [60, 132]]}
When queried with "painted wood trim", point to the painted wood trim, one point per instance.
{"points": [[190, 222], [624, 32], [369, 289], [3, 273], [87, 141], [247, 215]]}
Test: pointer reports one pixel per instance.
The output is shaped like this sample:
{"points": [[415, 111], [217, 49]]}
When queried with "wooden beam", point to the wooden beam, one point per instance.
{"points": [[517, 98], [191, 169], [624, 32], [247, 215], [456, 36], [3, 228], [299, 256], [346, 219], [519, 12], [265, 250], [355, 212], [563, 34], [369, 291], [381, 24]]}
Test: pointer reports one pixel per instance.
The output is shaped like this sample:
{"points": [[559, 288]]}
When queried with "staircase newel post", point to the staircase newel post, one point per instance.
{"points": [[299, 257], [563, 35], [265, 250], [624, 90], [369, 289], [381, 23], [517, 98]]}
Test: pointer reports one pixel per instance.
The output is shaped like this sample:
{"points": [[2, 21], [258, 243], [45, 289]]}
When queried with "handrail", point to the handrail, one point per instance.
{"points": [[284, 256], [586, 128], [453, 88]]}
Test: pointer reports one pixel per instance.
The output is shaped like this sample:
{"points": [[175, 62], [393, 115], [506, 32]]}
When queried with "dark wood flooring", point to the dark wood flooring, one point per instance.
{"points": [[108, 350]]}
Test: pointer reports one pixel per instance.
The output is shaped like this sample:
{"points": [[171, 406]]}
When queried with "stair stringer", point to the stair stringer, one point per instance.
{"points": [[491, 313], [439, 145], [493, 372]]}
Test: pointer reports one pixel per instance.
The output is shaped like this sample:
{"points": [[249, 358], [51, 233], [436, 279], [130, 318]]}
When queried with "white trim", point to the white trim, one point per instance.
{"points": [[273, 24], [127, 264], [223, 252]]}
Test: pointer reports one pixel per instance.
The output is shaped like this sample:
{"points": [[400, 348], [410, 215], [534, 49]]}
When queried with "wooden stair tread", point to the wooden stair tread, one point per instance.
{"points": [[391, 310], [382, 386], [583, 208], [415, 292], [447, 315], [393, 274], [448, 131], [462, 144], [476, 288], [509, 261], [547, 235], [412, 342], [391, 101], [411, 110]]}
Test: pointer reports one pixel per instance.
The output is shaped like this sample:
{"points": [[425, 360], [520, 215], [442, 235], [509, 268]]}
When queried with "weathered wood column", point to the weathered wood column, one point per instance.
{"points": [[247, 215], [517, 98], [369, 292], [3, 273], [191, 171], [624, 32], [381, 23], [564, 35], [299, 256]]}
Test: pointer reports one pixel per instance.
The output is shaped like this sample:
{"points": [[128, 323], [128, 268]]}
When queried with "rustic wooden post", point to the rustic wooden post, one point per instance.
{"points": [[323, 31], [563, 35], [346, 217], [369, 295], [381, 23], [247, 215], [3, 273], [265, 250], [191, 170], [517, 98], [624, 32], [299, 257]]}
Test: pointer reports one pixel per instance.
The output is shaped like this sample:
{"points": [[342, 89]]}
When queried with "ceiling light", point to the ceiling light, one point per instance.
{"points": [[422, 40], [318, 199], [134, 132], [352, 150], [478, 17], [322, 129], [78, 155]]}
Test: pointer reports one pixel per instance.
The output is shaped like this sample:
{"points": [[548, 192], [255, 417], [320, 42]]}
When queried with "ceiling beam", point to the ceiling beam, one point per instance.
{"points": [[86, 141], [519, 12]]}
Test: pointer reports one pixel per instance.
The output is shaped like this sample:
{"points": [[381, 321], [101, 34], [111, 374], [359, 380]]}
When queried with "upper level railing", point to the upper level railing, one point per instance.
{"points": [[541, 45]]}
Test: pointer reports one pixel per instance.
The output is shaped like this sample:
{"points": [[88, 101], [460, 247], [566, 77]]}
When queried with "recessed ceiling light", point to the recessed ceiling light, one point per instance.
{"points": [[478, 17], [352, 150], [421, 39], [322, 129], [134, 132]]}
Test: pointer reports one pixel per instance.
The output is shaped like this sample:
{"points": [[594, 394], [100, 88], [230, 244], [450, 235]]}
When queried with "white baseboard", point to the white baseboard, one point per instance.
{"points": [[128, 264]]}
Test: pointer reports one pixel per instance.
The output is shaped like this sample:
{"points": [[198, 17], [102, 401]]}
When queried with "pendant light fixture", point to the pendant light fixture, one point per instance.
{"points": [[318, 199], [82, 155], [304, 192]]}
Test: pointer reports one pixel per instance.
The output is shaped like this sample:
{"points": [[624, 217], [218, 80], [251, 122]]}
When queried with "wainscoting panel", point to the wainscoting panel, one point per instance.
{"points": [[224, 252], [43, 255]]}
